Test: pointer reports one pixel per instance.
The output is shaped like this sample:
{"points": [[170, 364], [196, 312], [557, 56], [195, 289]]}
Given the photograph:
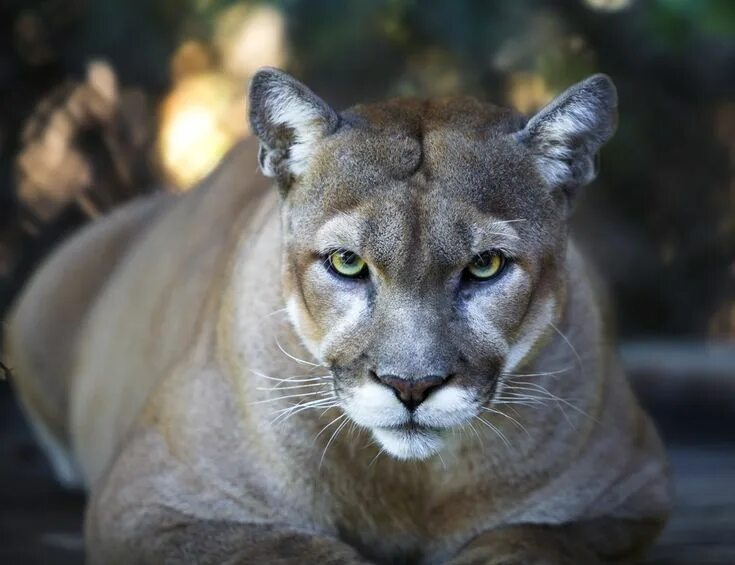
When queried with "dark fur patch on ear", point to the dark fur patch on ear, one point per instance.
{"points": [[566, 135], [289, 119]]}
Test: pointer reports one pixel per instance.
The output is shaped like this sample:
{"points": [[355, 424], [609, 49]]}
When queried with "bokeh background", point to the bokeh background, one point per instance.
{"points": [[102, 100]]}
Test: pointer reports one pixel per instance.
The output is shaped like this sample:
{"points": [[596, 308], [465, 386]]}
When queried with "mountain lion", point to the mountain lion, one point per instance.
{"points": [[393, 356]]}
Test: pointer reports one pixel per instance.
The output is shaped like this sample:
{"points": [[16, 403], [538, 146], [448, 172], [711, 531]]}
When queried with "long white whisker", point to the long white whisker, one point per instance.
{"points": [[560, 402], [511, 235], [442, 460], [279, 311], [497, 431], [569, 343], [293, 379], [337, 419], [278, 387], [287, 413], [374, 459], [326, 403], [305, 402], [511, 418], [277, 398], [543, 374], [479, 438], [515, 396], [331, 439], [535, 387], [353, 428], [298, 360], [522, 401], [509, 221]]}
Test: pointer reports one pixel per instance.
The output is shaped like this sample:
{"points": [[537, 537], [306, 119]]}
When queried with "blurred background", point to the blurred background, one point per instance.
{"points": [[103, 100]]}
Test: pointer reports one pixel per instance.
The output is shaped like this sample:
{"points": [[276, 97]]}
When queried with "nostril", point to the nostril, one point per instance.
{"points": [[412, 392]]}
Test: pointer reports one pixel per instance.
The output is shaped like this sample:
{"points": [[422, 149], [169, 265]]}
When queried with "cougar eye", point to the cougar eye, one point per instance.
{"points": [[347, 264], [486, 265]]}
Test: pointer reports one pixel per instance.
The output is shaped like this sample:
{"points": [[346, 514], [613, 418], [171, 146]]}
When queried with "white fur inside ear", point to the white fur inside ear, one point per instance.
{"points": [[559, 134], [565, 136], [553, 171], [287, 109]]}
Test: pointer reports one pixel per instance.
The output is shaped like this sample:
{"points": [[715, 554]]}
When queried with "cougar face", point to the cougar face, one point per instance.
{"points": [[423, 244]]}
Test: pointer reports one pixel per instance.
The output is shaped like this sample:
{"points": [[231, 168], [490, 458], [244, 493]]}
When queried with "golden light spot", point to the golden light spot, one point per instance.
{"points": [[249, 37], [528, 92], [191, 58], [201, 119], [206, 112]]}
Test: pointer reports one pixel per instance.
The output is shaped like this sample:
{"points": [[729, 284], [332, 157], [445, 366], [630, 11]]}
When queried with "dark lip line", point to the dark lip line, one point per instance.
{"points": [[411, 426]]}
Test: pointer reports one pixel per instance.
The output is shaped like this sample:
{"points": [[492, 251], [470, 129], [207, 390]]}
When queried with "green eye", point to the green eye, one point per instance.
{"points": [[347, 263], [486, 265]]}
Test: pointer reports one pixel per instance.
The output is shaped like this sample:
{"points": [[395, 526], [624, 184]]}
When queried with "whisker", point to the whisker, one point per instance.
{"points": [[305, 402], [279, 311], [542, 374], [337, 419], [511, 235], [325, 403], [569, 343], [287, 413], [293, 379], [374, 459], [535, 387], [277, 398], [278, 387], [297, 359], [495, 429], [560, 401], [442, 460], [517, 396], [331, 439], [511, 418], [479, 438], [352, 430], [509, 221]]}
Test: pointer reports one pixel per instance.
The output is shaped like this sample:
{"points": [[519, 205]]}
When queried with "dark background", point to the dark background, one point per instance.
{"points": [[101, 100]]}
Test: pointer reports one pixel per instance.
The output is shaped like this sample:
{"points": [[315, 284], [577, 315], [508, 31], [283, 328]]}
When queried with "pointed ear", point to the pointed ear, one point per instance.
{"points": [[565, 136], [289, 119]]}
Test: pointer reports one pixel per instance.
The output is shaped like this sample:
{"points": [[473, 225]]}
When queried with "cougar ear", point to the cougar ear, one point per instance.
{"points": [[289, 119], [565, 136]]}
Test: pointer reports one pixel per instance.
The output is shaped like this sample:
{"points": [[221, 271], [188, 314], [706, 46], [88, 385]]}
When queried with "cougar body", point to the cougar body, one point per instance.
{"points": [[229, 392]]}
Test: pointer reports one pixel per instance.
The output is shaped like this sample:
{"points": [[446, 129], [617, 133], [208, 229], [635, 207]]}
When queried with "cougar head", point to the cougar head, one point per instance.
{"points": [[424, 242]]}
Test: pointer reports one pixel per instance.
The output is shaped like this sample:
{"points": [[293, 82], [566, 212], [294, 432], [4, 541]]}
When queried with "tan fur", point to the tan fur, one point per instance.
{"points": [[145, 345]]}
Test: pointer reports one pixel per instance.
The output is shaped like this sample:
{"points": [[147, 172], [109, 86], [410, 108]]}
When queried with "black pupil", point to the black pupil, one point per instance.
{"points": [[348, 258], [482, 260]]}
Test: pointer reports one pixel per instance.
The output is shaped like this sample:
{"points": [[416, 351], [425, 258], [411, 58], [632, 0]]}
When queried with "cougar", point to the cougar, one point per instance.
{"points": [[391, 352]]}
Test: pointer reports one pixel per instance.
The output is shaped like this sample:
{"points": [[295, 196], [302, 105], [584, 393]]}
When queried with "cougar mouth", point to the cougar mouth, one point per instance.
{"points": [[410, 440]]}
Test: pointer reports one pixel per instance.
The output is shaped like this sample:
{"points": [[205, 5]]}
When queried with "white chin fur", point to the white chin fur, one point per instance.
{"points": [[405, 444]]}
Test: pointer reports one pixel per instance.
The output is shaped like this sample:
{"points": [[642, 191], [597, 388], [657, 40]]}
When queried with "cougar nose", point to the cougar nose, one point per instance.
{"points": [[412, 392]]}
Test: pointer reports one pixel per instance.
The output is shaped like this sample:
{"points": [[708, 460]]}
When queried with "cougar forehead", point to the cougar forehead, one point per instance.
{"points": [[437, 166], [461, 148]]}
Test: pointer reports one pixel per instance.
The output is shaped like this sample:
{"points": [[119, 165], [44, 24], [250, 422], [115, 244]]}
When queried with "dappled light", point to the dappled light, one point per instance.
{"points": [[106, 103]]}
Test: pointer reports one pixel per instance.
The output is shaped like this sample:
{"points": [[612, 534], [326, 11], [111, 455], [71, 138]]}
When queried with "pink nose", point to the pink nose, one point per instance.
{"points": [[412, 392]]}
